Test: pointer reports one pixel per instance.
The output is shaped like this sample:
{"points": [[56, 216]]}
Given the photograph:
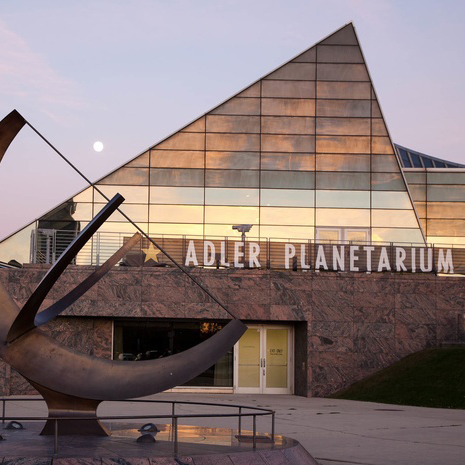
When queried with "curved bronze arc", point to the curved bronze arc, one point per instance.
{"points": [[61, 305], [9, 128], [24, 322]]}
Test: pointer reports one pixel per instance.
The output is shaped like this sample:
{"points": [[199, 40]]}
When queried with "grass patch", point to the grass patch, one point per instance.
{"points": [[430, 378]]}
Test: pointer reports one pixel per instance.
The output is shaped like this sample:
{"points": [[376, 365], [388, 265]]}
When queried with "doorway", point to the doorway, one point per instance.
{"points": [[263, 360]]}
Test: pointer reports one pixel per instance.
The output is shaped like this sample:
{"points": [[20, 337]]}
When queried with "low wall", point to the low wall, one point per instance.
{"points": [[347, 325]]}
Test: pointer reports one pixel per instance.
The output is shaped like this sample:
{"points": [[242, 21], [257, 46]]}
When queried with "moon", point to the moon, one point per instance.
{"points": [[98, 146]]}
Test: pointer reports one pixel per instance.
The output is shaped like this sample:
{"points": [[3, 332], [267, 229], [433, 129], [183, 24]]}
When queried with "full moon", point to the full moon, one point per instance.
{"points": [[98, 146]]}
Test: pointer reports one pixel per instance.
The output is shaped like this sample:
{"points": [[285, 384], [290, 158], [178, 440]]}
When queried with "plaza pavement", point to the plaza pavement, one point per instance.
{"points": [[335, 432]]}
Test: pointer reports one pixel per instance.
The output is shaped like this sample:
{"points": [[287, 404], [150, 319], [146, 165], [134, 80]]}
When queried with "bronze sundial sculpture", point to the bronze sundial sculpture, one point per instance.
{"points": [[74, 384]]}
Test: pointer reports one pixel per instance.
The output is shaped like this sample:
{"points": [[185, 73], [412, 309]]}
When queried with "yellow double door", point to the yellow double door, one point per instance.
{"points": [[263, 360]]}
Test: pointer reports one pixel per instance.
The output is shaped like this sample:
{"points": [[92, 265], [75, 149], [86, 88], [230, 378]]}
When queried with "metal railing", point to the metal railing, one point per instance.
{"points": [[175, 417]]}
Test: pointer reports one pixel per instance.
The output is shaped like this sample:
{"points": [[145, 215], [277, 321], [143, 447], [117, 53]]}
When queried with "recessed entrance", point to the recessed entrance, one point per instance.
{"points": [[263, 360]]}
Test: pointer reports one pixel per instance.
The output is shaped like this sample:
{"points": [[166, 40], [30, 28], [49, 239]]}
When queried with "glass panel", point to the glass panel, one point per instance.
{"points": [[288, 161], [446, 227], [446, 178], [427, 162], [242, 124], [396, 235], [289, 89], [140, 161], [375, 110], [176, 195], [351, 181], [288, 125], [284, 143], [85, 196], [231, 178], [446, 209], [249, 359], [128, 176], [184, 141], [330, 162], [385, 163], [416, 160], [285, 197], [381, 145], [282, 216], [405, 159], [288, 107], [120, 227], [342, 217], [131, 194], [287, 232], [176, 159], [295, 71], [354, 235], [137, 213], [309, 56], [231, 196], [439, 164], [328, 235], [398, 200], [176, 214], [415, 178], [83, 211], [398, 218], [252, 91], [276, 358], [17, 246], [387, 182], [343, 90], [232, 215], [421, 209], [238, 106], [176, 177], [341, 72], [350, 199], [344, 108], [343, 126], [339, 54], [176, 228], [342, 144], [345, 36], [418, 192], [233, 160], [196, 126], [287, 179], [235, 142], [378, 128], [446, 193]]}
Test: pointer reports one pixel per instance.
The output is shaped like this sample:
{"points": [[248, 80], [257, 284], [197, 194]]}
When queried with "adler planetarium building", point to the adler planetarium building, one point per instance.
{"points": [[341, 251]]}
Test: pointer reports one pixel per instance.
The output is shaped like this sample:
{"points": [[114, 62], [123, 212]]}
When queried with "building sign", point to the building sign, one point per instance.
{"points": [[320, 257]]}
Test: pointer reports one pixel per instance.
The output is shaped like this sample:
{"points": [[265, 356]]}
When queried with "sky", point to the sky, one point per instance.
{"points": [[131, 72]]}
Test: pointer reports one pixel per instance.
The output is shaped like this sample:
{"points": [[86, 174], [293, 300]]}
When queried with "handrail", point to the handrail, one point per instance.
{"points": [[259, 411]]}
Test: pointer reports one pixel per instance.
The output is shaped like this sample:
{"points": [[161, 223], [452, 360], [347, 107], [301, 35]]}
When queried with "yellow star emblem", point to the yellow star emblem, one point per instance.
{"points": [[151, 252]]}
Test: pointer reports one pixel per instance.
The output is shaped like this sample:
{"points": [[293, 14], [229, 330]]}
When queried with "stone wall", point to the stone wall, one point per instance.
{"points": [[347, 325]]}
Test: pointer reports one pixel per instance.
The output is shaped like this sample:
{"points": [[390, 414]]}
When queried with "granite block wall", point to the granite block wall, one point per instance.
{"points": [[347, 325]]}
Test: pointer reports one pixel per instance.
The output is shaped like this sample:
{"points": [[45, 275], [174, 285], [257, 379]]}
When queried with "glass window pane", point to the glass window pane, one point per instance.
{"points": [[288, 107], [385, 163], [288, 161], [309, 56], [443, 227], [427, 162], [405, 159], [176, 228], [381, 145], [137, 213], [339, 54], [234, 124], [398, 218], [446, 209], [131, 194], [176, 214], [439, 164], [176, 159], [83, 211], [343, 126], [421, 209], [349, 199], [342, 217], [252, 91], [184, 141], [128, 176], [176, 177], [295, 71], [378, 128], [344, 108], [289, 89], [446, 193], [415, 178], [288, 125], [121, 227], [399, 200], [397, 235], [285, 143], [216, 196], [231, 178], [234, 160], [287, 197], [416, 160], [446, 178], [196, 126], [238, 106], [332, 162], [282, 216], [176, 195], [351, 181], [387, 182], [17, 246], [342, 72], [343, 90], [328, 235], [343, 144], [375, 110], [140, 161], [287, 232], [418, 192], [233, 142], [85, 196], [232, 215], [287, 179]]}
